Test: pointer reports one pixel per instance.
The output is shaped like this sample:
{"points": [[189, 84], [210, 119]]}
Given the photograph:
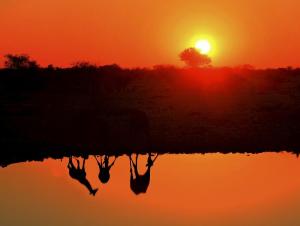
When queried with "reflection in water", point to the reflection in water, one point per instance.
{"points": [[209, 190], [79, 174], [140, 183], [104, 168]]}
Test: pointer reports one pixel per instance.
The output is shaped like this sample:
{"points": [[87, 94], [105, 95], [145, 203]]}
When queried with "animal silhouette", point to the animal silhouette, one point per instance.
{"points": [[104, 168], [140, 183], [79, 174]]}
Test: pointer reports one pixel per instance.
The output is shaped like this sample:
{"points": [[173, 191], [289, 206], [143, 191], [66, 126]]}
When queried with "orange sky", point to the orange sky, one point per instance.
{"points": [[145, 33]]}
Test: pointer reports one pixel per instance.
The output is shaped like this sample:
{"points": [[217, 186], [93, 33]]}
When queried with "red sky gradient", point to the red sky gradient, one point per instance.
{"points": [[145, 33]]}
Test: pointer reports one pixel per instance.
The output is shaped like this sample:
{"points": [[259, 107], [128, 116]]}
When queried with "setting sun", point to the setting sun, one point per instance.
{"points": [[203, 46]]}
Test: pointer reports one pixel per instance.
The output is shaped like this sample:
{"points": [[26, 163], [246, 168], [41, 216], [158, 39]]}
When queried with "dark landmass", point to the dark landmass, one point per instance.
{"points": [[57, 112]]}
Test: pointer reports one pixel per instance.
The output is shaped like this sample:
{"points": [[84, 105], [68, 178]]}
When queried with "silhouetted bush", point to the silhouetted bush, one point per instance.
{"points": [[84, 66], [19, 62], [111, 68], [50, 67]]}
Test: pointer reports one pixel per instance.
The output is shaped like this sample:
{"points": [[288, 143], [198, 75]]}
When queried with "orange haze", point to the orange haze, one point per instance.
{"points": [[144, 33]]}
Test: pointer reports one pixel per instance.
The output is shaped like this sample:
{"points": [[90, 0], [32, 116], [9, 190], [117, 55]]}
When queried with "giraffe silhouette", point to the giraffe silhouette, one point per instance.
{"points": [[140, 183], [79, 174], [104, 168]]}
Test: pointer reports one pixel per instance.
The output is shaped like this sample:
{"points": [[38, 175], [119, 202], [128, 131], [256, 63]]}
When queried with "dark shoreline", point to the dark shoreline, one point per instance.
{"points": [[109, 110], [10, 156]]}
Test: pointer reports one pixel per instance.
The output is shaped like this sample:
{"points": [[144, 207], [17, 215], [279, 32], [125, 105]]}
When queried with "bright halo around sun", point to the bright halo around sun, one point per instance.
{"points": [[203, 46]]}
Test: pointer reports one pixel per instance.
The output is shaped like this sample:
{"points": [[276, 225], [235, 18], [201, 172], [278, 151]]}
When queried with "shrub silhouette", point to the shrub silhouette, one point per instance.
{"points": [[194, 58], [19, 62], [84, 65]]}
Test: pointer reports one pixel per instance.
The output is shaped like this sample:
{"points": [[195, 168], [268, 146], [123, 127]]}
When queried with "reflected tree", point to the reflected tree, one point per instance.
{"points": [[79, 174], [104, 168], [140, 183]]}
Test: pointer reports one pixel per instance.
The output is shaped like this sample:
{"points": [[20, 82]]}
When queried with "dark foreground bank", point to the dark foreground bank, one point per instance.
{"points": [[60, 112]]}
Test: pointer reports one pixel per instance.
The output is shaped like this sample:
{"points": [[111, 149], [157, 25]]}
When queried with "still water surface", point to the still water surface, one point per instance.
{"points": [[187, 189]]}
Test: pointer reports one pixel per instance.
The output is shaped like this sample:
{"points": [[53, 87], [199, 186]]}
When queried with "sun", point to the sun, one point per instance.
{"points": [[203, 46]]}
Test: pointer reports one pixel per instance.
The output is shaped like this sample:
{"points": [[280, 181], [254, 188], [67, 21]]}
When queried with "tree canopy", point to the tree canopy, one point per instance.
{"points": [[193, 58], [22, 61]]}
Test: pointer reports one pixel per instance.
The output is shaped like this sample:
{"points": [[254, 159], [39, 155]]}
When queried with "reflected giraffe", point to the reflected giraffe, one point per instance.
{"points": [[79, 174], [104, 168], [140, 183]]}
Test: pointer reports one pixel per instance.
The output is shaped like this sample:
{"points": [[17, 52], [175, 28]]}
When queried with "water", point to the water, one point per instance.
{"points": [[195, 189]]}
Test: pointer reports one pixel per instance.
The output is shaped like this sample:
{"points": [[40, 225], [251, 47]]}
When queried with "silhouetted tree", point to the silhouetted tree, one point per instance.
{"points": [[19, 62], [193, 58]]}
